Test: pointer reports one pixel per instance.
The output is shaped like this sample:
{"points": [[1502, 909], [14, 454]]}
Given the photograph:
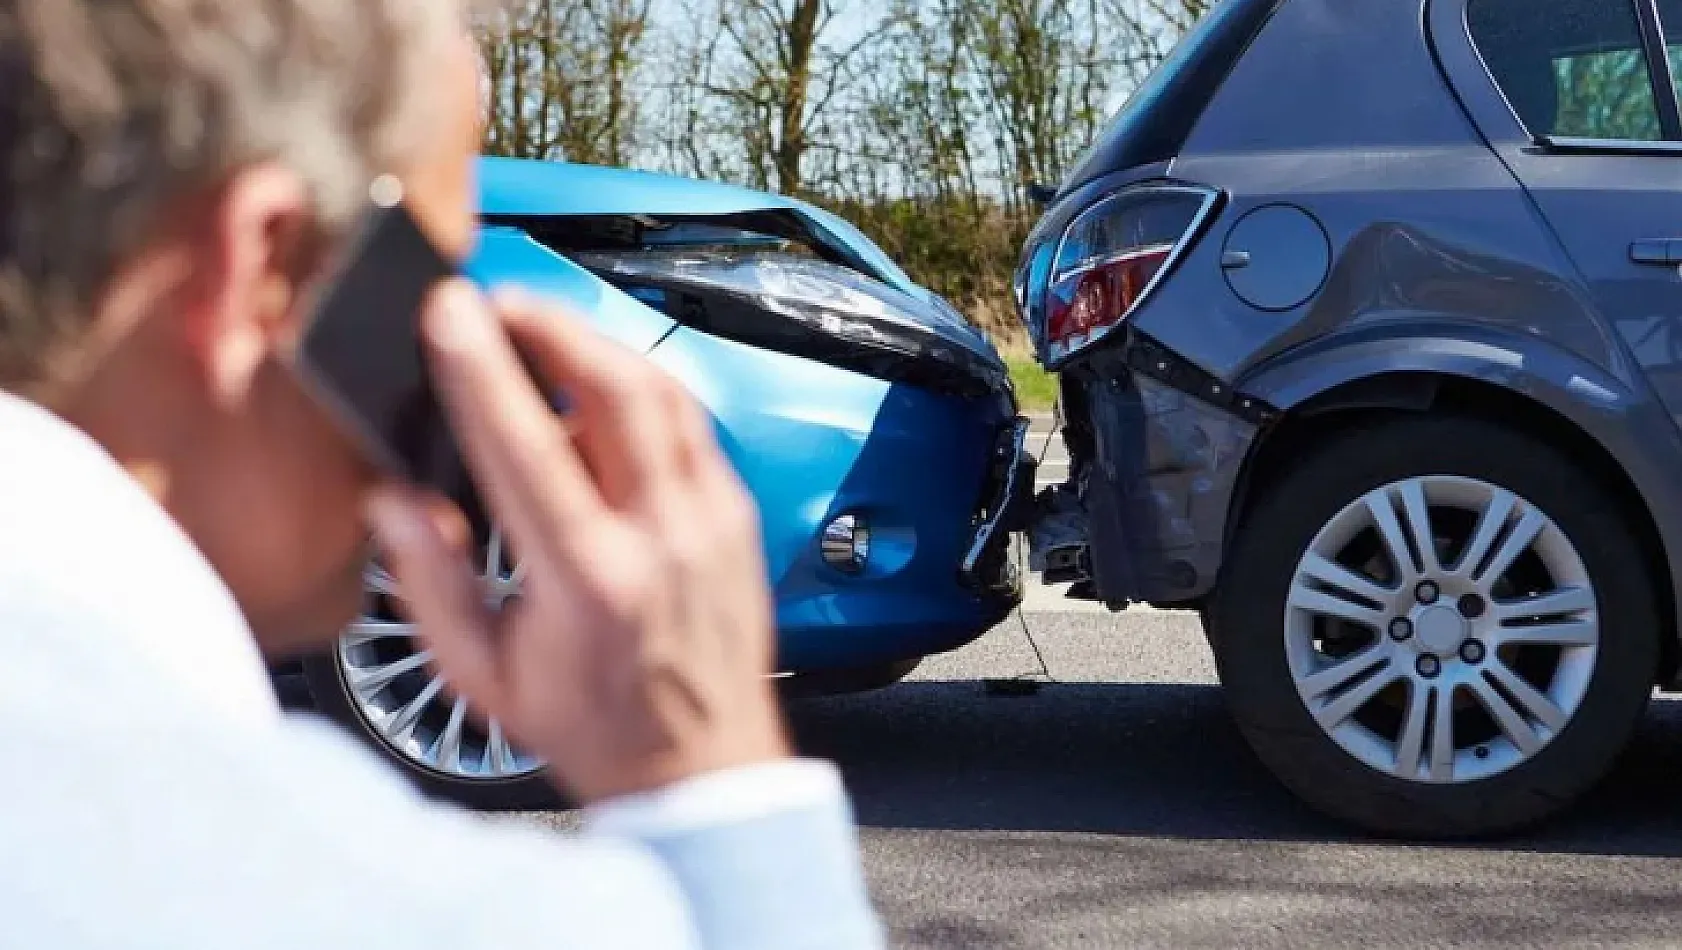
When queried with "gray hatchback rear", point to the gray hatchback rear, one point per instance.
{"points": [[1369, 323]]}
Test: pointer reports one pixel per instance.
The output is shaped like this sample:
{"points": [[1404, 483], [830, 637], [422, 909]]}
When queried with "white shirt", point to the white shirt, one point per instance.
{"points": [[152, 793]]}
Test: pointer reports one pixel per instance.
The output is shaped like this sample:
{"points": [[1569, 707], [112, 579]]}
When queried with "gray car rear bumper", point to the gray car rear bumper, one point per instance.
{"points": [[1157, 449]]}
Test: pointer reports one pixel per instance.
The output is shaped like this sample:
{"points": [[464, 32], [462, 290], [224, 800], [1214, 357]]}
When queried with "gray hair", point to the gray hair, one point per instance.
{"points": [[110, 110]]}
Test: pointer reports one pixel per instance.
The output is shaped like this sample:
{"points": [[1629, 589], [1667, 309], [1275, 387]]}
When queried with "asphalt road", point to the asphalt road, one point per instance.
{"points": [[1118, 807]]}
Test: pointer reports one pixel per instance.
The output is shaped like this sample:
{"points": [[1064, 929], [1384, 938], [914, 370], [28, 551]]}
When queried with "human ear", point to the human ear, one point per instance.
{"points": [[249, 249]]}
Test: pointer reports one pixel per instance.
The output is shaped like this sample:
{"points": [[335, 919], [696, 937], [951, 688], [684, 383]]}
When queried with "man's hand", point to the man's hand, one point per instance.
{"points": [[639, 651]]}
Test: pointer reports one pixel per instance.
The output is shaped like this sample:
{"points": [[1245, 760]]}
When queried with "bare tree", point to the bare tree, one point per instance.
{"points": [[1046, 68], [777, 71], [561, 78], [921, 105]]}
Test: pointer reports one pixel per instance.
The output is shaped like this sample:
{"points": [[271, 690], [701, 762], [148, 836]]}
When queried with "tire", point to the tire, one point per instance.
{"points": [[1265, 607], [402, 693], [325, 677]]}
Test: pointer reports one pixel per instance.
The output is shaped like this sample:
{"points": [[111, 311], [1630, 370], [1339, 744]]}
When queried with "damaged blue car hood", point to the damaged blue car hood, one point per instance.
{"points": [[511, 187], [523, 188]]}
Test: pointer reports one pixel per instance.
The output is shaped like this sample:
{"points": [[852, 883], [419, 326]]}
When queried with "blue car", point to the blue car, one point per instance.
{"points": [[876, 428]]}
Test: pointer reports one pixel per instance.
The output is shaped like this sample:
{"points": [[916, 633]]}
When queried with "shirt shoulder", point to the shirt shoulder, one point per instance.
{"points": [[288, 836], [91, 564]]}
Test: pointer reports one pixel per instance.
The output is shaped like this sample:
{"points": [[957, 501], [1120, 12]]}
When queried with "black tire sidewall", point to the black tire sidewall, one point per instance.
{"points": [[325, 680], [1249, 613]]}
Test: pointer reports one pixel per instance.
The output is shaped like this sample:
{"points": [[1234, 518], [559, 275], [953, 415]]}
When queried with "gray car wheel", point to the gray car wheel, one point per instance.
{"points": [[1436, 627]]}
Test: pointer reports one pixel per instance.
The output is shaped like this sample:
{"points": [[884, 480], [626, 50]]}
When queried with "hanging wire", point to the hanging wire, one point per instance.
{"points": [[1022, 541], [1026, 684], [1044, 671]]}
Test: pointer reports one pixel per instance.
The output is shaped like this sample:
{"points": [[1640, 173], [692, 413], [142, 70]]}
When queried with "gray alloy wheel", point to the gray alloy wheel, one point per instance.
{"points": [[1388, 645], [1436, 626], [402, 699]]}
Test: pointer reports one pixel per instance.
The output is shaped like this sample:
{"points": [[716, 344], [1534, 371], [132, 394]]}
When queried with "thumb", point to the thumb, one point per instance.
{"points": [[425, 547]]}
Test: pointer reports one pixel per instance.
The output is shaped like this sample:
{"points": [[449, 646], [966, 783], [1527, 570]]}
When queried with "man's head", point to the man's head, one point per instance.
{"points": [[172, 172]]}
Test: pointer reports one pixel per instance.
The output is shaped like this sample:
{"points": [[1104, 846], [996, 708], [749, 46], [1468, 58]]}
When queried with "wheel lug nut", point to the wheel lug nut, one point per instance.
{"points": [[1429, 666], [1401, 629], [1427, 592], [1471, 606], [1472, 651]]}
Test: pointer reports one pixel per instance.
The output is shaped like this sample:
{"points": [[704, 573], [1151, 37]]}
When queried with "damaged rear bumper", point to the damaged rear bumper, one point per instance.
{"points": [[1157, 448]]}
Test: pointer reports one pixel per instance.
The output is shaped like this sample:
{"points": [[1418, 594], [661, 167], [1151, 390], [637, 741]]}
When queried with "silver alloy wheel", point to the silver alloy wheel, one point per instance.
{"points": [[1441, 629], [401, 697]]}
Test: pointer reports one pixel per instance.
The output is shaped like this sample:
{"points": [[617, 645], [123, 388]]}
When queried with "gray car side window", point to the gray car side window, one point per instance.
{"points": [[1570, 68]]}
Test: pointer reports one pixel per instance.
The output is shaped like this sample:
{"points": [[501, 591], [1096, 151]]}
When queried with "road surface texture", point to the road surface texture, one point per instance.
{"points": [[1118, 807]]}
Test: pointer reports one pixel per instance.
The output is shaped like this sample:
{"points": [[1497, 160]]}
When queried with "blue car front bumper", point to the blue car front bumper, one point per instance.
{"points": [[937, 478]]}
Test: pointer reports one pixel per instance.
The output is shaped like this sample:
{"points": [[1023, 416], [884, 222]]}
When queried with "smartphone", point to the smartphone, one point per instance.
{"points": [[361, 355]]}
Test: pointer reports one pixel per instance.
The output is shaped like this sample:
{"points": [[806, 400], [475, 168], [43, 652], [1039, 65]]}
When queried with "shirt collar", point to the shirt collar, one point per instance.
{"points": [[87, 553]]}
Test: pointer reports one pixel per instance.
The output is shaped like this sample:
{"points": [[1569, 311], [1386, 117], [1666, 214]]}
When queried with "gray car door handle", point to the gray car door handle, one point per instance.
{"points": [[1661, 251]]}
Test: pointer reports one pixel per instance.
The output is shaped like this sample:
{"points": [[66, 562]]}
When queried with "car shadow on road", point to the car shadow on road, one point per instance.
{"points": [[1148, 759]]}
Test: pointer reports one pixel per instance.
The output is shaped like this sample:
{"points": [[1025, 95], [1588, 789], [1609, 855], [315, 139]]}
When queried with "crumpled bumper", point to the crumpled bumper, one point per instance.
{"points": [[1144, 516], [1007, 507]]}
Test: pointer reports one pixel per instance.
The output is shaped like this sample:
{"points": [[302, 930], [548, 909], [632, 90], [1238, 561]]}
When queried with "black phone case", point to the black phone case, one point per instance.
{"points": [[361, 352]]}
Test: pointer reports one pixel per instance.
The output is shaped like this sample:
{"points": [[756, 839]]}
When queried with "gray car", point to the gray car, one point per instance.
{"points": [[1368, 317]]}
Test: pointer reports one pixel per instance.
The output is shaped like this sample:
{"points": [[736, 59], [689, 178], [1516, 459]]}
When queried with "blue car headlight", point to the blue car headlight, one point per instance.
{"points": [[814, 309]]}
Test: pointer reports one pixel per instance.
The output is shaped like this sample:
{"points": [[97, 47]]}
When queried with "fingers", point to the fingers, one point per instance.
{"points": [[440, 590], [526, 467], [712, 476], [622, 416], [633, 438], [697, 444], [637, 654]]}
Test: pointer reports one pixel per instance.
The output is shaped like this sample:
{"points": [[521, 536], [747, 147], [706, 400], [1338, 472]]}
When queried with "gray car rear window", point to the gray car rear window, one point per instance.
{"points": [[1569, 68]]}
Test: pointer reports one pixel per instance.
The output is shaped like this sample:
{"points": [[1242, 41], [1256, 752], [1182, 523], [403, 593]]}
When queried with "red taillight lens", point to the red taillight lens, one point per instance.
{"points": [[1101, 295], [1111, 257]]}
